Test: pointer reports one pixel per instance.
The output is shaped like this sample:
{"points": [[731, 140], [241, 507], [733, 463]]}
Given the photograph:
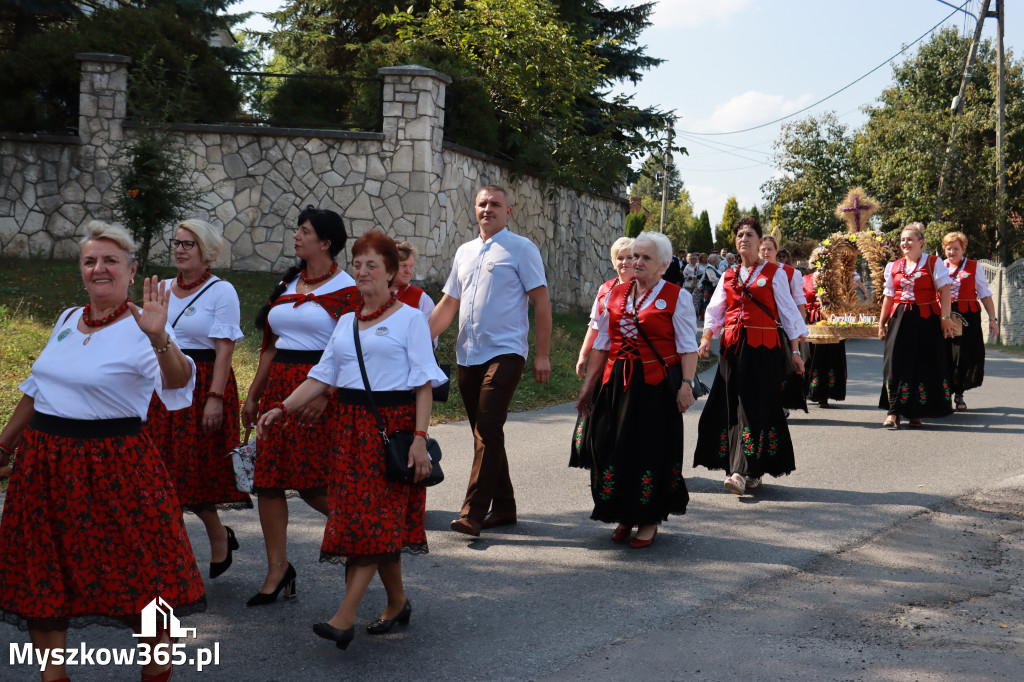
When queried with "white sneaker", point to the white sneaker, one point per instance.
{"points": [[736, 484]]}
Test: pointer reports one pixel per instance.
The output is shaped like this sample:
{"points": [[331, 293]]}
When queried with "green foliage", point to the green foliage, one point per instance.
{"points": [[700, 237], [154, 167], [725, 236], [649, 179], [815, 160], [635, 223], [530, 77], [903, 144], [40, 76]]}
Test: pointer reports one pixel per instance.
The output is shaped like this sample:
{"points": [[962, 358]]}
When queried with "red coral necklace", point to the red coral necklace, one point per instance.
{"points": [[188, 287], [379, 311], [321, 278]]}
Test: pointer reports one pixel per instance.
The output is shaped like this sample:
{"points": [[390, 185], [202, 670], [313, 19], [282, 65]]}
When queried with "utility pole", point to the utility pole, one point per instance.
{"points": [[1000, 139], [957, 107], [666, 167]]}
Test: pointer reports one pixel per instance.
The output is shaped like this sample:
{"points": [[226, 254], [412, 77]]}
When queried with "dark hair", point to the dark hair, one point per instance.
{"points": [[383, 246], [329, 227], [751, 221]]}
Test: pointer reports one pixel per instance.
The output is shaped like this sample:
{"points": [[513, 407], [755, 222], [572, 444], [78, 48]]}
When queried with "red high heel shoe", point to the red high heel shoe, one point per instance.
{"points": [[637, 543]]}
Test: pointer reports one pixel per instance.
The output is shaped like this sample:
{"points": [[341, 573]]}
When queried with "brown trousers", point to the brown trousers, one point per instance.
{"points": [[487, 391]]}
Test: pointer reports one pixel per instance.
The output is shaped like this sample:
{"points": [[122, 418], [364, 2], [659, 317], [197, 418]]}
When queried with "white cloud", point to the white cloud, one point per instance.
{"points": [[693, 13], [750, 109]]}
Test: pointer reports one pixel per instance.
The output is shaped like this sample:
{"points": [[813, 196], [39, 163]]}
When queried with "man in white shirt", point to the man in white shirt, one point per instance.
{"points": [[492, 279]]}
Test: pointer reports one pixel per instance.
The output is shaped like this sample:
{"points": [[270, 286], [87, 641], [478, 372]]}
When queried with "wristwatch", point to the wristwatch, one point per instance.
{"points": [[689, 382]]}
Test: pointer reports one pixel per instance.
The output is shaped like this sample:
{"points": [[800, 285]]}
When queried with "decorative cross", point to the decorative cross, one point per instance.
{"points": [[856, 210]]}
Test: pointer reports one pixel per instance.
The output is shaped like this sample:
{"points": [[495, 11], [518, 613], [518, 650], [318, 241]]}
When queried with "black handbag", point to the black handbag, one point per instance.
{"points": [[395, 445]]}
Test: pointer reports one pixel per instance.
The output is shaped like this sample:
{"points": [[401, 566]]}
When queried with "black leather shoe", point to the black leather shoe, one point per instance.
{"points": [[382, 626], [287, 584], [218, 567], [341, 638]]}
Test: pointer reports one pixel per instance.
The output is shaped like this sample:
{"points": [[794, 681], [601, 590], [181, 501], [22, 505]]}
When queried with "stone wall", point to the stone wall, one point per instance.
{"points": [[404, 180]]}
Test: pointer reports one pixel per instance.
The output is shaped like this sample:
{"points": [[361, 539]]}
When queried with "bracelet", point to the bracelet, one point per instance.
{"points": [[420, 433], [166, 347], [279, 405], [947, 317], [4, 448], [794, 352], [214, 394]]}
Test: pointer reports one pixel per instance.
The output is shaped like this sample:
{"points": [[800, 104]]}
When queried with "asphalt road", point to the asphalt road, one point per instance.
{"points": [[884, 556]]}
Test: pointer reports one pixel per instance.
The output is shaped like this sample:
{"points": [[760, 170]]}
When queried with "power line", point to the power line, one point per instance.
{"points": [[726, 151], [845, 87]]}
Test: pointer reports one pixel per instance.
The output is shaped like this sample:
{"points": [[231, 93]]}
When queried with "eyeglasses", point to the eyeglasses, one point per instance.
{"points": [[186, 244]]}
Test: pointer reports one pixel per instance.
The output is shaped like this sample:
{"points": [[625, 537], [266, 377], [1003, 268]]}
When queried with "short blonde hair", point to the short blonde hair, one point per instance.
{"points": [[97, 229], [406, 251], [209, 240], [917, 228], [955, 237], [620, 244]]}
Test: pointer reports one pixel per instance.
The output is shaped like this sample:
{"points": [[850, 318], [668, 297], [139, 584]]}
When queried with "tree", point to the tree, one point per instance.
{"points": [[635, 223], [702, 239], [649, 179], [902, 146], [725, 237], [531, 78], [815, 169]]}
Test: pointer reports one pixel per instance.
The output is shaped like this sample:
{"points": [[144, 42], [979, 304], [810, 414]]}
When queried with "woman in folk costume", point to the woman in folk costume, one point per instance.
{"points": [[644, 359], [967, 293], [914, 322], [91, 530], [743, 428], [792, 384], [405, 291], [194, 442], [297, 322], [824, 363]]}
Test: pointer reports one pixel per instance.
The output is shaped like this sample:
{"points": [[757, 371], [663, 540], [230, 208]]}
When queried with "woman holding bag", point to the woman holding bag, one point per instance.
{"points": [[639, 382], [743, 429], [371, 519]]}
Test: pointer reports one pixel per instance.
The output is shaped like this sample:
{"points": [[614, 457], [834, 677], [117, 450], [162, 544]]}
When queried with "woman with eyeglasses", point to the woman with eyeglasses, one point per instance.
{"points": [[195, 442]]}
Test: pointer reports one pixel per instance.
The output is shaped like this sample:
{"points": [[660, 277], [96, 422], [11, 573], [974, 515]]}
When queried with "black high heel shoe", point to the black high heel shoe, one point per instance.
{"points": [[383, 626], [341, 638], [287, 584], [218, 567]]}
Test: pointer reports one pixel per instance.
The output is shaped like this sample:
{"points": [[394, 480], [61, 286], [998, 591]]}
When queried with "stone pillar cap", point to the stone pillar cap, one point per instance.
{"points": [[414, 70], [103, 57]]}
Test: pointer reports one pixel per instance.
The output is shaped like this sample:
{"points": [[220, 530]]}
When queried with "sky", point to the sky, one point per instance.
{"points": [[736, 64]]}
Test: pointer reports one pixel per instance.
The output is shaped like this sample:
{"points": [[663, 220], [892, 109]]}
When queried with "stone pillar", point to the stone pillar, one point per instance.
{"points": [[413, 132], [102, 107]]}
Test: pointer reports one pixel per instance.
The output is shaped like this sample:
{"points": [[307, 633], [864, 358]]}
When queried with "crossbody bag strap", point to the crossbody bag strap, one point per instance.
{"points": [[762, 306], [366, 381], [636, 323], [193, 300]]}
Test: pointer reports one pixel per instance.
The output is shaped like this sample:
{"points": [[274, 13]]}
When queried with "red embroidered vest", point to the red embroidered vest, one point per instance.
{"points": [[656, 320], [813, 307], [967, 295], [925, 295], [410, 295], [742, 313], [602, 294]]}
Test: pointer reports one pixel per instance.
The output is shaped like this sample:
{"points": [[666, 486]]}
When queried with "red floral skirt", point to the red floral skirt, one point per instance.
{"points": [[198, 462], [371, 520], [294, 456], [91, 533]]}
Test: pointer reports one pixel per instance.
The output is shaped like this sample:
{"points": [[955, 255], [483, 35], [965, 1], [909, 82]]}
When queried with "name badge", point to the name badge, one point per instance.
{"points": [[490, 265], [381, 331], [761, 282], [916, 275], [63, 334], [189, 311], [965, 275], [660, 304]]}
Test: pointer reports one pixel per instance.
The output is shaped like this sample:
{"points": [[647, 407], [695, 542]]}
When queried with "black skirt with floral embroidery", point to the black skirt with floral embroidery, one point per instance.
{"points": [[633, 446]]}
